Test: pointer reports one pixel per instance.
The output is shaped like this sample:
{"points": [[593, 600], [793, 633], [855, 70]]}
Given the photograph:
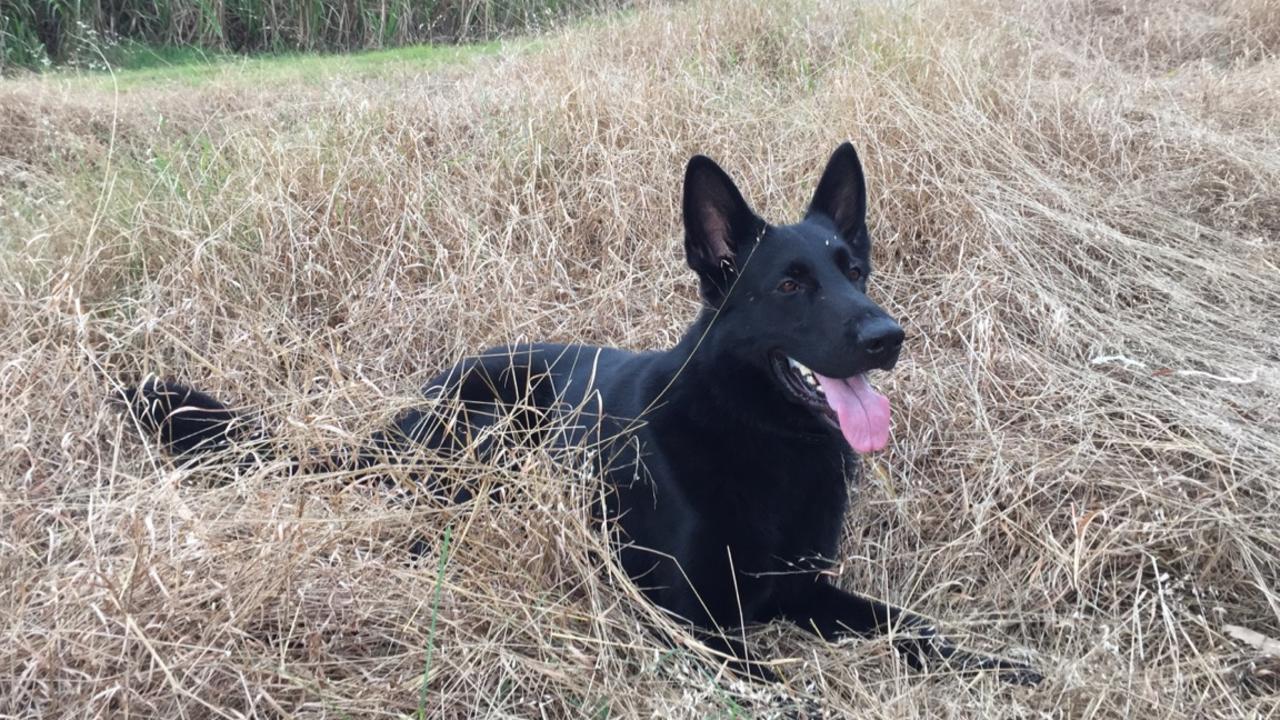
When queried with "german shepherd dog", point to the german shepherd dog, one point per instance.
{"points": [[727, 458]]}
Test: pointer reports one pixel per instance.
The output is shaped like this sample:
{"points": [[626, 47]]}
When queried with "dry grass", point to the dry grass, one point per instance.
{"points": [[1077, 218]]}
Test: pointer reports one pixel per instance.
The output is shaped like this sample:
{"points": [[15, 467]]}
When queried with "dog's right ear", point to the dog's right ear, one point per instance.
{"points": [[842, 195], [719, 227]]}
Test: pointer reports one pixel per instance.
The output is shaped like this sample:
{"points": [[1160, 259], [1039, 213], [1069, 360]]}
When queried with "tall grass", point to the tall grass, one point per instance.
{"points": [[1075, 208], [37, 32]]}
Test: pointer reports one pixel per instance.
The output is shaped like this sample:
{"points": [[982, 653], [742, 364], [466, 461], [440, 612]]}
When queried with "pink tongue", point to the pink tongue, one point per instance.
{"points": [[862, 412]]}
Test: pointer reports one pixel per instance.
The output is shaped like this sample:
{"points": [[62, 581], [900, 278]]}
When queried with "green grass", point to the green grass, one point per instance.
{"points": [[431, 633], [133, 55], [140, 65]]}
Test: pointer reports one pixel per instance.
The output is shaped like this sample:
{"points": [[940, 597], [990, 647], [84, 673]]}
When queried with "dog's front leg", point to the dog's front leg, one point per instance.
{"points": [[832, 613]]}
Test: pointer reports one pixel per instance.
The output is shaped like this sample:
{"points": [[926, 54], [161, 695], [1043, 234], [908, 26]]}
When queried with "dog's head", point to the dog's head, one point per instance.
{"points": [[792, 299]]}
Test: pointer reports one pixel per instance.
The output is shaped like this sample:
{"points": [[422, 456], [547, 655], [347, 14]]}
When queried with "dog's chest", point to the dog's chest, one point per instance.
{"points": [[739, 522], [789, 512], [777, 506]]}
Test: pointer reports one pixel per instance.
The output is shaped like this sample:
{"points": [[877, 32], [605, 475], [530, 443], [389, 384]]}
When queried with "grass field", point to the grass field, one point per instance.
{"points": [[1077, 211]]}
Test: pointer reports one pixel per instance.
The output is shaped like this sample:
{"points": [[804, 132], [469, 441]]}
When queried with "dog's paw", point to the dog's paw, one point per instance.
{"points": [[925, 649], [754, 672]]}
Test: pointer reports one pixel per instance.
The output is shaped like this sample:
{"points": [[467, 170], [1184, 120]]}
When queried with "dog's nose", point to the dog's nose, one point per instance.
{"points": [[881, 337]]}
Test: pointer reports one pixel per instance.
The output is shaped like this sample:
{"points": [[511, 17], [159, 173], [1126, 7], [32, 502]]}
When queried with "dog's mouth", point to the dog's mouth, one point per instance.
{"points": [[850, 404]]}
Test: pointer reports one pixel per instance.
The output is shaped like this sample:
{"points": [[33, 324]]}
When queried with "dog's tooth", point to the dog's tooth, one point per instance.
{"points": [[806, 375]]}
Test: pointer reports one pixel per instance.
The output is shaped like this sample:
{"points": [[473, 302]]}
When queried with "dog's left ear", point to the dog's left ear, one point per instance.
{"points": [[842, 194], [719, 227]]}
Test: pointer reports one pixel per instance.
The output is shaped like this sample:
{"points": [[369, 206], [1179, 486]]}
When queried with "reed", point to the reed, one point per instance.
{"points": [[35, 33]]}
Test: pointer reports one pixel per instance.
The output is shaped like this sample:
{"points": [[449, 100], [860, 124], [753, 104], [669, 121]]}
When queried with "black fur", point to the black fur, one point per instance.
{"points": [[729, 491], [183, 420]]}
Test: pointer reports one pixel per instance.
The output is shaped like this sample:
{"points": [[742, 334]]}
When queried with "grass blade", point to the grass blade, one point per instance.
{"points": [[431, 632]]}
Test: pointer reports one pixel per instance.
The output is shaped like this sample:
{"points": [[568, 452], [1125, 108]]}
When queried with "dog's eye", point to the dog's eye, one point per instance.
{"points": [[855, 273], [788, 286]]}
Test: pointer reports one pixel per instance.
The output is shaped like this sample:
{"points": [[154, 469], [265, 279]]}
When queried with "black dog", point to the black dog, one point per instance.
{"points": [[726, 457]]}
